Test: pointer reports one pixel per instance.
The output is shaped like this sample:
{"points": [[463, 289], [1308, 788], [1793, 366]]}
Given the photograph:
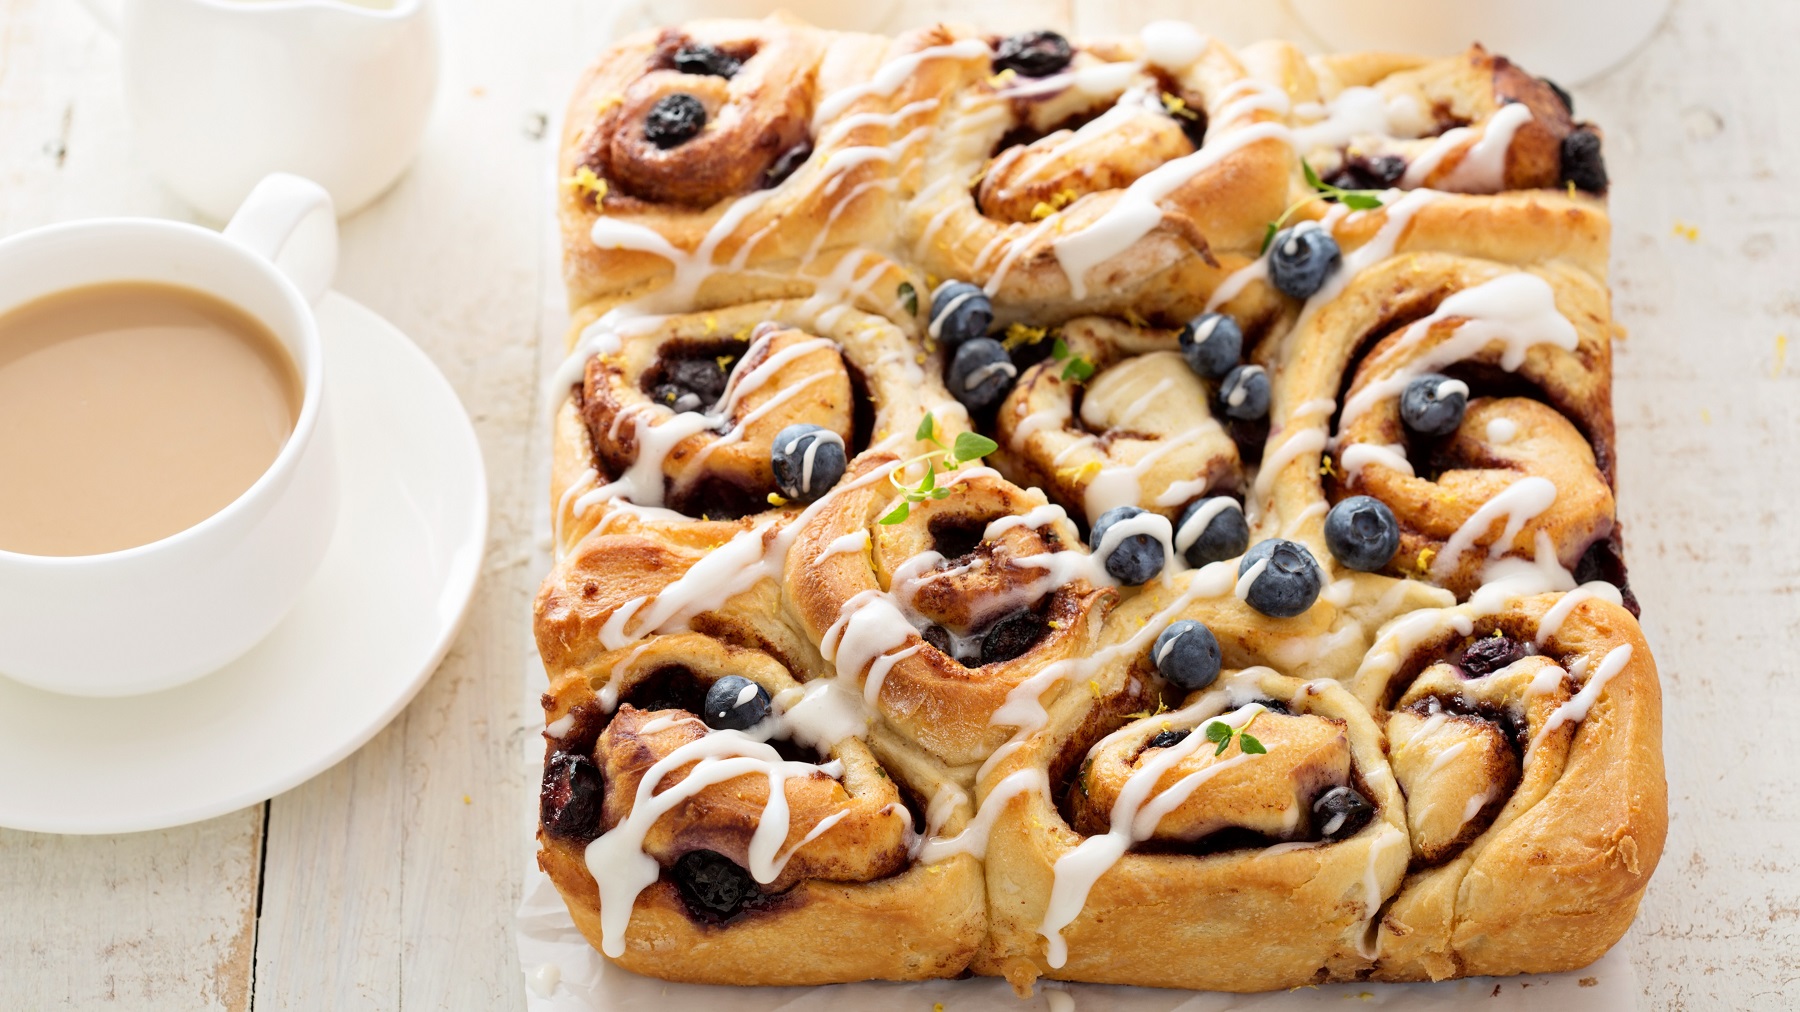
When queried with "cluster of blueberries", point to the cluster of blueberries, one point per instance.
{"points": [[981, 371]]}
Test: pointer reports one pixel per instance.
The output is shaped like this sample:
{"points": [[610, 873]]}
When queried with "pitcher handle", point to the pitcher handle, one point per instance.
{"points": [[288, 220]]}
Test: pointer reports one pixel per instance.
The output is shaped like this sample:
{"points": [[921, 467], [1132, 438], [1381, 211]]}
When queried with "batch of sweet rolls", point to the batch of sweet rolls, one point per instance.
{"points": [[1128, 511]]}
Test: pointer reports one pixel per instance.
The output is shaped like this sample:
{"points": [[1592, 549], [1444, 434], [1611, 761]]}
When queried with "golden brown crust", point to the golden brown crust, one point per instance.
{"points": [[972, 757]]}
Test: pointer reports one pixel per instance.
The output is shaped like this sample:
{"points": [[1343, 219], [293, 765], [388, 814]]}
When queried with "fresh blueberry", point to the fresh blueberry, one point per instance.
{"points": [[1187, 655], [1362, 533], [1225, 535], [1433, 404], [1582, 162], [713, 884], [569, 800], [1288, 585], [1245, 393], [735, 703], [981, 373], [1134, 558], [960, 312], [1033, 54], [1340, 812], [808, 460], [1211, 343], [1301, 258], [673, 119], [700, 58]]}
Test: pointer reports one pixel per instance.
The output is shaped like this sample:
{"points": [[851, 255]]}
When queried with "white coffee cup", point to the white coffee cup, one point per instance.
{"points": [[222, 93], [160, 614]]}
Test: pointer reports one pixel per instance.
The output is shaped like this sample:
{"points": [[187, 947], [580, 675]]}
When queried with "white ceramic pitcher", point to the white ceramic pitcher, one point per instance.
{"points": [[223, 92]]}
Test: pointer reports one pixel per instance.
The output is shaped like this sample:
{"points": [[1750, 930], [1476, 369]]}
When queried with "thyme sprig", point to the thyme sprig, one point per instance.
{"points": [[966, 447], [1221, 734], [1075, 367], [1355, 200]]}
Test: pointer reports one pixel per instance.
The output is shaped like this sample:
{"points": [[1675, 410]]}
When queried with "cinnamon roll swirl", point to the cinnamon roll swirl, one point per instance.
{"points": [[730, 161], [1471, 123], [700, 806], [1526, 744], [1118, 420], [1261, 816], [678, 416], [1105, 179], [941, 615]]}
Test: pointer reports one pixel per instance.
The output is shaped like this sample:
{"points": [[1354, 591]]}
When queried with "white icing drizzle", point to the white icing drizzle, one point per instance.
{"points": [[1501, 431], [1357, 111], [935, 328], [1122, 485], [617, 859], [1518, 310], [891, 75], [1551, 623], [1055, 416], [1482, 168], [1520, 503], [1473, 808], [1369, 945], [1576, 709], [1357, 456], [974, 839], [1242, 590], [1136, 212], [1445, 757], [1133, 819], [560, 726], [852, 543]]}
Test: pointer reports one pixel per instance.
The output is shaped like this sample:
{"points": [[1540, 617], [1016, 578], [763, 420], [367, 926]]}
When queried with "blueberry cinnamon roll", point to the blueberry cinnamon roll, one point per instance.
{"points": [[1068, 178], [1467, 389], [1471, 123], [740, 412], [1526, 743], [700, 806], [729, 161], [942, 606], [1259, 815]]}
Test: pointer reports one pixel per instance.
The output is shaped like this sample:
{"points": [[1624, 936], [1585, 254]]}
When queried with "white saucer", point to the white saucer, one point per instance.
{"points": [[373, 625]]}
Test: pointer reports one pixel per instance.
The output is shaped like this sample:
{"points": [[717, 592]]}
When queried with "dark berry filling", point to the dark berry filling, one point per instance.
{"points": [[955, 536], [785, 164], [700, 58], [1582, 162], [1033, 54], [1489, 654], [1164, 739], [714, 886], [569, 800], [1362, 172], [1011, 636], [1605, 560]]}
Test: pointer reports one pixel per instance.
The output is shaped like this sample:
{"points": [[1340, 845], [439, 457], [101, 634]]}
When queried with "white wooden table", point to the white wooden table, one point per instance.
{"points": [[389, 881]]}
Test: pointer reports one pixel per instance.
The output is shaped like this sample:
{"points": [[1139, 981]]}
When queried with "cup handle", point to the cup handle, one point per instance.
{"points": [[108, 12], [288, 221]]}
